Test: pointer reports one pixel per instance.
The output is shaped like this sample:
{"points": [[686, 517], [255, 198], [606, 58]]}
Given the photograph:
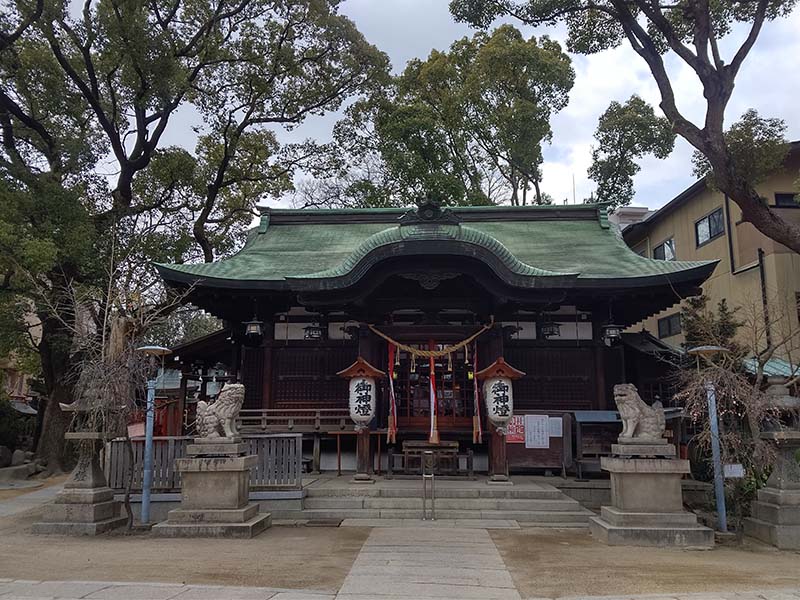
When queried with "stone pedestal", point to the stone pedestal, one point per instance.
{"points": [[215, 488], [86, 505], [647, 501], [776, 514]]}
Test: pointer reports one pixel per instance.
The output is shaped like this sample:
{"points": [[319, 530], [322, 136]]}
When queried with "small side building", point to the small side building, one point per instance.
{"points": [[700, 224]]}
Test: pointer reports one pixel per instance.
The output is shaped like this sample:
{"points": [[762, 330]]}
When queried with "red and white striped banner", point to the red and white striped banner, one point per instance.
{"points": [[391, 431], [434, 435], [477, 430]]}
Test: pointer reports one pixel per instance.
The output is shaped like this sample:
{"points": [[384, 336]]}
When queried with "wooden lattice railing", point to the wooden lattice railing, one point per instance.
{"points": [[304, 420], [279, 465]]}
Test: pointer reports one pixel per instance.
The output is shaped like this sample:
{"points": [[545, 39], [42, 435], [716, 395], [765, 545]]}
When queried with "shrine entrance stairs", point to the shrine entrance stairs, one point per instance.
{"points": [[531, 504]]}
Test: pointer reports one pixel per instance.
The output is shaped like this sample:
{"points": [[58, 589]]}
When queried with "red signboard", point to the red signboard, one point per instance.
{"points": [[516, 430]]}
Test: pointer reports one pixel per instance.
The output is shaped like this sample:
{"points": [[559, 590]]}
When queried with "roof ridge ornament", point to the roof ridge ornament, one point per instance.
{"points": [[429, 211]]}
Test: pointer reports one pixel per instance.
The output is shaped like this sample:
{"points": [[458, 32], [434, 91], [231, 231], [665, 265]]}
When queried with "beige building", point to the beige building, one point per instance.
{"points": [[703, 224]]}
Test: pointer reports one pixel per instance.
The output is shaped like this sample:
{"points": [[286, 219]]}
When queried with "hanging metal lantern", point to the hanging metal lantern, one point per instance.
{"points": [[315, 331], [550, 329], [254, 328], [611, 333], [362, 377]]}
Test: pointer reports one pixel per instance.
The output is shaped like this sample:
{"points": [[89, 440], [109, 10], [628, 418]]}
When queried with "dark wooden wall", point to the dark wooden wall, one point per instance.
{"points": [[557, 377], [304, 374]]}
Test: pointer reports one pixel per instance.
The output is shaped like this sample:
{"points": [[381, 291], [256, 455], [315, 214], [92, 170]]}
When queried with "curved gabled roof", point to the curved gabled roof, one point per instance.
{"points": [[552, 246]]}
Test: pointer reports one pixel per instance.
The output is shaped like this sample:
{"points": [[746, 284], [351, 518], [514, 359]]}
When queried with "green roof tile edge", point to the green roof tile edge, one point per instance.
{"points": [[434, 232]]}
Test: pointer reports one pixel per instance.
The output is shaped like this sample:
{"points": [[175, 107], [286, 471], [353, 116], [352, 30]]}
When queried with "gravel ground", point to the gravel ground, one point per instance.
{"points": [[567, 562]]}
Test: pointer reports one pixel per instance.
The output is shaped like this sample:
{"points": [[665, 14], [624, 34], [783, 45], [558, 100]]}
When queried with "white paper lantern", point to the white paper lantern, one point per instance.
{"points": [[499, 394], [362, 400]]}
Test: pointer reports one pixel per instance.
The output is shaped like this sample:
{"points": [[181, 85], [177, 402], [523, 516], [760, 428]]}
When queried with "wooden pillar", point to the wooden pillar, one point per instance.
{"points": [[266, 371], [182, 420], [363, 457]]}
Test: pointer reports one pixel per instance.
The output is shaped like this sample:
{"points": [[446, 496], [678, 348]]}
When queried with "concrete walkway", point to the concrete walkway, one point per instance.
{"points": [[29, 500], [421, 563]]}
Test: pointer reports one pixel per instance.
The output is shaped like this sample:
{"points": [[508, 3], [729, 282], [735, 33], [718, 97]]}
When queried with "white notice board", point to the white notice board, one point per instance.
{"points": [[556, 426], [537, 431]]}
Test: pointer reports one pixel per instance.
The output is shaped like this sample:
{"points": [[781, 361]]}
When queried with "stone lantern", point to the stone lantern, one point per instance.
{"points": [[498, 394], [363, 385]]}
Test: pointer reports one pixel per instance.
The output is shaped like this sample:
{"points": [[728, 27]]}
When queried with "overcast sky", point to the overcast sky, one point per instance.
{"points": [[769, 82], [406, 29]]}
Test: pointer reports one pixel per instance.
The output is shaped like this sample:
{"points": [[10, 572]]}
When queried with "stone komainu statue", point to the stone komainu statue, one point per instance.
{"points": [[640, 422], [220, 416]]}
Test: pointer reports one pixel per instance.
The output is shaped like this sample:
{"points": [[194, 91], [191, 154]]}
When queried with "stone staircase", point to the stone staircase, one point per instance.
{"points": [[532, 506]]}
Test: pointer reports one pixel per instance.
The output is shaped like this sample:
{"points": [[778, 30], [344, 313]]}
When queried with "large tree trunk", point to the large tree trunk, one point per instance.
{"points": [[54, 350], [755, 210]]}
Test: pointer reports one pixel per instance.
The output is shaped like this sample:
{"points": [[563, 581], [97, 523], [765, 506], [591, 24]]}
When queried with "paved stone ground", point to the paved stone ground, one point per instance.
{"points": [[20, 504], [421, 562]]}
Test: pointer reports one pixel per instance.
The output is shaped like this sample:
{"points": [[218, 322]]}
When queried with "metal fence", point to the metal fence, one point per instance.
{"points": [[279, 466]]}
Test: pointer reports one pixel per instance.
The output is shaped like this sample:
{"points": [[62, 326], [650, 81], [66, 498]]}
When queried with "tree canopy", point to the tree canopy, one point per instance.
{"points": [[90, 190], [700, 34], [625, 133], [464, 126]]}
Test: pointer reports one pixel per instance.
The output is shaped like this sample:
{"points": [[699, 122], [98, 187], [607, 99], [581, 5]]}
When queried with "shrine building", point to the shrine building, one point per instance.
{"points": [[427, 305]]}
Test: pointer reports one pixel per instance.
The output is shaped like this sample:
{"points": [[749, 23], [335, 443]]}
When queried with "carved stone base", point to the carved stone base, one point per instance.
{"points": [[215, 487], [647, 506], [775, 515], [643, 450], [86, 505]]}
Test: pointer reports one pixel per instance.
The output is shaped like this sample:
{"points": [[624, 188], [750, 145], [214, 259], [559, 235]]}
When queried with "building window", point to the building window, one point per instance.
{"points": [[709, 227], [669, 326], [665, 250], [786, 200]]}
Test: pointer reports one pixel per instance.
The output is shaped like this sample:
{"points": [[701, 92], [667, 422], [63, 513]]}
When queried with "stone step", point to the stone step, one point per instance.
{"points": [[542, 517], [784, 537], [668, 536], [245, 530], [776, 513], [554, 525], [515, 504], [544, 493], [63, 528], [213, 515], [82, 513]]}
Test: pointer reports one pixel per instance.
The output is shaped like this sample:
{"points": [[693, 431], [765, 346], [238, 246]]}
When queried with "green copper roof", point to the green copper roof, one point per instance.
{"points": [[293, 248]]}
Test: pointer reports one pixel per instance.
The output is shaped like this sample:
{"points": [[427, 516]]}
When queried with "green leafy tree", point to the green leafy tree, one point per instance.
{"points": [[695, 33], [90, 191], [703, 326], [626, 133], [464, 126], [757, 145]]}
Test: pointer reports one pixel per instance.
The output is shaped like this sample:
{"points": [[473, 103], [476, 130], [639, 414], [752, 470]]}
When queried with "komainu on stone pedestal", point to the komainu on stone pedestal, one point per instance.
{"points": [[215, 478], [646, 494], [220, 417], [641, 424]]}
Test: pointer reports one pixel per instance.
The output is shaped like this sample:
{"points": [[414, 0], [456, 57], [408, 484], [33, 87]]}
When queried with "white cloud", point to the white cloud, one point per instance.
{"points": [[405, 29]]}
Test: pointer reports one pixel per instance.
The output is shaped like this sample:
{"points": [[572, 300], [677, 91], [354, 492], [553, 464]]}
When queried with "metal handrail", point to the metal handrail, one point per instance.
{"points": [[427, 465]]}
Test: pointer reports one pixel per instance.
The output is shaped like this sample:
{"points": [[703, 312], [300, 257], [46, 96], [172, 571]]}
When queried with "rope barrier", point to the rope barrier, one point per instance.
{"points": [[433, 353]]}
